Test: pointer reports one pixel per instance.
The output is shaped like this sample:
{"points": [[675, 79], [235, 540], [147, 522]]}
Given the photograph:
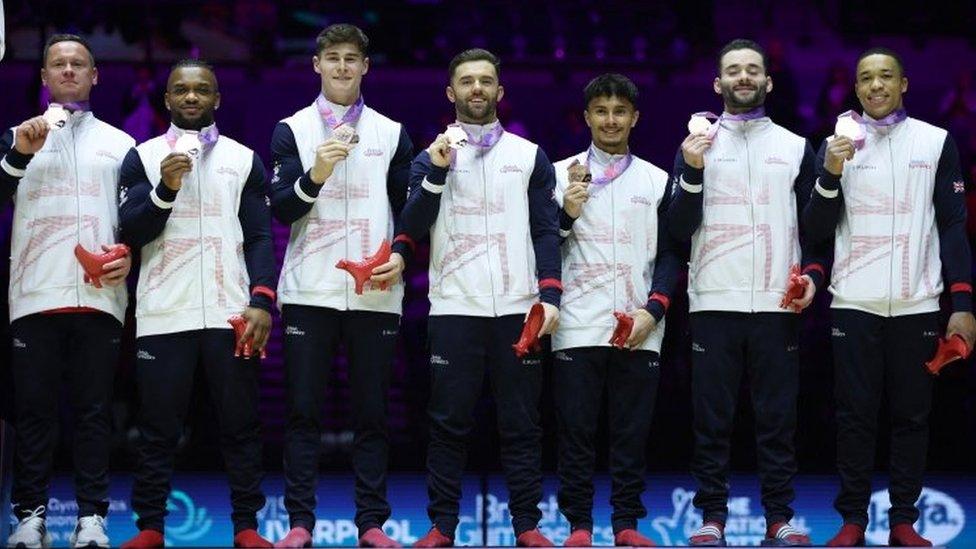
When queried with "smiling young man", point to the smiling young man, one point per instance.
{"points": [[740, 191], [616, 244], [342, 200], [202, 222], [494, 253], [63, 183], [893, 206]]}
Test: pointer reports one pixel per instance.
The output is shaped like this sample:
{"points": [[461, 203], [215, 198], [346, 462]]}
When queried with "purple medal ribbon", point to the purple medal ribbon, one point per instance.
{"points": [[208, 136], [894, 117], [612, 171], [487, 140], [351, 116], [753, 114], [74, 106]]}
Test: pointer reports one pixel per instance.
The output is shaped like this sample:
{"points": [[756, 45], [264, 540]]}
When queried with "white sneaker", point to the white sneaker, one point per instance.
{"points": [[90, 532], [31, 532]]}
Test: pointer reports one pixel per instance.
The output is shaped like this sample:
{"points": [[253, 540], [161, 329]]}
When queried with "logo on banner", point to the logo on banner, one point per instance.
{"points": [[684, 519], [743, 526], [498, 519], [187, 522], [940, 518], [273, 524]]}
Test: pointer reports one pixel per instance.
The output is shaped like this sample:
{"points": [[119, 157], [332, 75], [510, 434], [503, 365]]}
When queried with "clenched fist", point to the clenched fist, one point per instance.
{"points": [[693, 150], [573, 199], [30, 135], [172, 169], [327, 155], [839, 150], [440, 151]]}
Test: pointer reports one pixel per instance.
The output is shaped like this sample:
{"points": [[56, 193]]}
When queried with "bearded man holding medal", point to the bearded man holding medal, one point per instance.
{"points": [[61, 169], [485, 197], [890, 199], [194, 202], [341, 171], [742, 182]]}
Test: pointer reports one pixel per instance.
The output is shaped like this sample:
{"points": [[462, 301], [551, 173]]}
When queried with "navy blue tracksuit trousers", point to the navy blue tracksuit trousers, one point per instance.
{"points": [[165, 365], [726, 345], [462, 350], [84, 346], [581, 376], [312, 335], [876, 356]]}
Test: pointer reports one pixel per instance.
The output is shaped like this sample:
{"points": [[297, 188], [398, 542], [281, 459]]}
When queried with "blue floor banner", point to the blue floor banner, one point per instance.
{"points": [[6, 472], [199, 510]]}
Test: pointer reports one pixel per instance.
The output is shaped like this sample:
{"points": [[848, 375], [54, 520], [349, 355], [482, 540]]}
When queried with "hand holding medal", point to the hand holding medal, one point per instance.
{"points": [[849, 125], [30, 135], [56, 116], [579, 173], [174, 166], [441, 150], [189, 144], [330, 153], [457, 138], [346, 134], [849, 135], [701, 132], [699, 124], [576, 193]]}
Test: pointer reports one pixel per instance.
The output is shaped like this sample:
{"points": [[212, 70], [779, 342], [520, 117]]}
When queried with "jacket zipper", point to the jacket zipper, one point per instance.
{"points": [[894, 215], [752, 215], [74, 162], [491, 277], [613, 245], [345, 211], [203, 283]]}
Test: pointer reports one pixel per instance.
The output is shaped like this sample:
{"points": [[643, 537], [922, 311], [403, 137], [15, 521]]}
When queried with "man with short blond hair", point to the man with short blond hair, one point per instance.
{"points": [[62, 172]]}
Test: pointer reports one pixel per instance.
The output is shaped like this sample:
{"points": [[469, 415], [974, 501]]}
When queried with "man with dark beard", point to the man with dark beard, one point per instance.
{"points": [[194, 202], [494, 238], [741, 183]]}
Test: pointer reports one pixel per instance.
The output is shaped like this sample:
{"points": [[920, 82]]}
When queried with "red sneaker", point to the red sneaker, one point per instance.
{"points": [[632, 538], [250, 538], [580, 537], [434, 538], [904, 535], [375, 537], [145, 539], [296, 538], [711, 534], [782, 534], [532, 538], [850, 535]]}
